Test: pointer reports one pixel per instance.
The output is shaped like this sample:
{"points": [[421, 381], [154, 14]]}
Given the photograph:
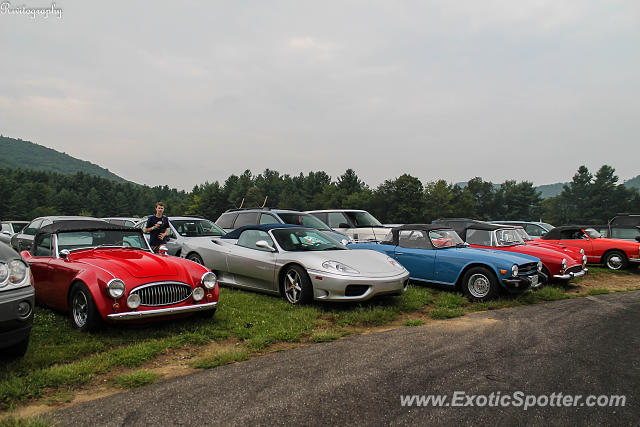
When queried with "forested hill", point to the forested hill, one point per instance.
{"points": [[16, 153]]}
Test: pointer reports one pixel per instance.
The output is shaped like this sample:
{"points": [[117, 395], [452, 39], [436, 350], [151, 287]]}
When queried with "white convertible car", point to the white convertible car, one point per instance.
{"points": [[299, 263]]}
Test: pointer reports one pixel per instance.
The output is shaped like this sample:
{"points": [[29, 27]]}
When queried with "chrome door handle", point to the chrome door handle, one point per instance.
{"points": [[399, 253]]}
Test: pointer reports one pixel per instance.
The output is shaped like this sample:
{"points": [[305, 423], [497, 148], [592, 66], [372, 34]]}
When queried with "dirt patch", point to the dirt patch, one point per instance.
{"points": [[609, 281]]}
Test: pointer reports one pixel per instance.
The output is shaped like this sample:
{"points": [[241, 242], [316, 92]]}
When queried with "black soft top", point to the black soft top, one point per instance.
{"points": [[558, 232], [461, 225], [82, 225]]}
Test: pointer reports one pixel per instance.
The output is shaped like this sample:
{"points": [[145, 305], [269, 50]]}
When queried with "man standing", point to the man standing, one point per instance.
{"points": [[157, 227]]}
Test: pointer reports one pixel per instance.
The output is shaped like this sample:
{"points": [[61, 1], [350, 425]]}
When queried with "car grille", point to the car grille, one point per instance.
{"points": [[574, 269], [162, 293], [527, 269]]}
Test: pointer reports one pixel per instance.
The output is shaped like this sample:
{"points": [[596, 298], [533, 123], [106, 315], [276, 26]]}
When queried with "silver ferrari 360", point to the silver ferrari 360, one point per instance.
{"points": [[297, 262]]}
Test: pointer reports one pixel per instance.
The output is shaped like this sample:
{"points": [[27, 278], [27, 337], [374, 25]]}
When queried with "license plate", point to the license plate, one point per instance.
{"points": [[534, 280]]}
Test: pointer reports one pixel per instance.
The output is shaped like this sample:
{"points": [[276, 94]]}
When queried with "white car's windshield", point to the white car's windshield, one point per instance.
{"points": [[196, 227], [363, 219], [296, 240], [73, 240]]}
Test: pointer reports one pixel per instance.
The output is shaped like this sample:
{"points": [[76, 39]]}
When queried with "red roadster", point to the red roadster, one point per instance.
{"points": [[99, 271]]}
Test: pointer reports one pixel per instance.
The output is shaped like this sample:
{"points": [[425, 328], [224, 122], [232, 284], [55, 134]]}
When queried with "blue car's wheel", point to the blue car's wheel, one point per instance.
{"points": [[479, 284]]}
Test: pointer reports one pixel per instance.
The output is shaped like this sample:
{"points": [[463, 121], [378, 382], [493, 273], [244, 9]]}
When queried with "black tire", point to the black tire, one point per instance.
{"points": [[195, 258], [615, 260], [296, 285], [17, 350], [480, 284], [83, 311], [544, 276]]}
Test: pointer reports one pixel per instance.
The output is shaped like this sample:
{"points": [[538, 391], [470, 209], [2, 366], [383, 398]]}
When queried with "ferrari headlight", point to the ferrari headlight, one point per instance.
{"points": [[198, 293], [209, 280], [514, 270], [133, 301], [4, 273], [18, 272], [539, 265], [115, 288], [563, 266], [339, 267]]}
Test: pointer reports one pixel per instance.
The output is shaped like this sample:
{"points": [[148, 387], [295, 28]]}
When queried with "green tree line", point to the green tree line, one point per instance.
{"points": [[588, 198]]}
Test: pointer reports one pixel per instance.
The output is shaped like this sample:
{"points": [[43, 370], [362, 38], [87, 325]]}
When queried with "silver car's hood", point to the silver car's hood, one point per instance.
{"points": [[367, 262]]}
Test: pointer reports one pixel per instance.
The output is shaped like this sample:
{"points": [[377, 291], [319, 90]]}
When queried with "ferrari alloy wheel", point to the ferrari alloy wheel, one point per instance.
{"points": [[296, 285], [195, 258], [84, 315], [615, 260], [479, 284]]}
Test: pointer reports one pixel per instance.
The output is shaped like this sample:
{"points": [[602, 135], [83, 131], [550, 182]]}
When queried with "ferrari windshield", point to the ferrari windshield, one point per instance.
{"points": [[445, 239], [363, 219], [508, 237], [592, 233], [73, 240], [304, 219], [297, 240], [196, 227]]}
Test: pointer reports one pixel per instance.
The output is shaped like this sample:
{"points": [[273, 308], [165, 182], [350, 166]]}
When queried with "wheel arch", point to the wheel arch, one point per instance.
{"points": [[473, 265], [608, 251]]}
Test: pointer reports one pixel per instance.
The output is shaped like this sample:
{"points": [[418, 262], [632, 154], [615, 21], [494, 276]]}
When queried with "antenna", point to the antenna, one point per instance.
{"points": [[265, 202]]}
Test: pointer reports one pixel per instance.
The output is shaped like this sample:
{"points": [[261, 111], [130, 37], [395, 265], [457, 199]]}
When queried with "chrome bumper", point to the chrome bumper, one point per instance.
{"points": [[129, 315], [570, 276], [634, 259]]}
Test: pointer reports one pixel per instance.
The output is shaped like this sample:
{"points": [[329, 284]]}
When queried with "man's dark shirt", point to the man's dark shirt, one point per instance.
{"points": [[153, 234]]}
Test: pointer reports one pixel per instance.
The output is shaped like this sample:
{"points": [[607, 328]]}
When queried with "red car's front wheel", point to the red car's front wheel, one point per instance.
{"points": [[84, 314]]}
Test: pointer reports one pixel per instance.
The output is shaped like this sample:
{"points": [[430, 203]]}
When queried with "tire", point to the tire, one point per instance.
{"points": [[18, 349], [544, 276], [83, 311], [195, 258], [479, 284], [615, 260], [296, 285]]}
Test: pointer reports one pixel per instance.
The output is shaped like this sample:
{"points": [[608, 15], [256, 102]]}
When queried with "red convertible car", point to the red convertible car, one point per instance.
{"points": [[556, 263], [615, 254], [98, 272]]}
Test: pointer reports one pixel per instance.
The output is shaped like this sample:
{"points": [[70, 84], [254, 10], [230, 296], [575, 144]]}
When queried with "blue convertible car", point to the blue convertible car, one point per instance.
{"points": [[436, 254]]}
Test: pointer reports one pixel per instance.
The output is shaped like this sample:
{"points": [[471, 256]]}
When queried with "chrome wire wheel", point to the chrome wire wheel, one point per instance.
{"points": [[80, 309], [479, 285], [293, 287]]}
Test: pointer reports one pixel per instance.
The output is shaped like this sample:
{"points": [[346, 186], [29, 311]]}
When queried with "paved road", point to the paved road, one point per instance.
{"points": [[586, 346]]}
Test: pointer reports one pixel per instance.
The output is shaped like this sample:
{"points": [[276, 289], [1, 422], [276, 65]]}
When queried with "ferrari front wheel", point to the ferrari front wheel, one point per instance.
{"points": [[296, 285], [84, 314]]}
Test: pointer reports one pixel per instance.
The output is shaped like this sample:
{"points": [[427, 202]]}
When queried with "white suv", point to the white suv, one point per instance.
{"points": [[358, 224]]}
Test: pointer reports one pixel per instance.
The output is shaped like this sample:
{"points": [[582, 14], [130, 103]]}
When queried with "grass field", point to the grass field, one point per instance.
{"points": [[60, 360]]}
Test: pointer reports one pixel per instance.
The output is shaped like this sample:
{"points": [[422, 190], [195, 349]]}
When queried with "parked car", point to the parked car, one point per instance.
{"points": [[98, 271], [23, 240], [621, 226], [556, 263], [184, 228], [235, 218], [533, 228], [615, 254], [9, 228], [434, 253], [16, 303], [127, 221], [358, 224], [299, 263], [528, 240]]}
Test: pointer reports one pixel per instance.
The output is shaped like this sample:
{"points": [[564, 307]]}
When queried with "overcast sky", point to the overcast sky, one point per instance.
{"points": [[181, 92]]}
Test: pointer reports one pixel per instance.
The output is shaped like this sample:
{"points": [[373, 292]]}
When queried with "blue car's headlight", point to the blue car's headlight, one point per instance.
{"points": [[514, 270], [339, 267]]}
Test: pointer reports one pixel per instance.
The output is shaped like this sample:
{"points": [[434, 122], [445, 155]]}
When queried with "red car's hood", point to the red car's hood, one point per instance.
{"points": [[121, 262], [545, 254]]}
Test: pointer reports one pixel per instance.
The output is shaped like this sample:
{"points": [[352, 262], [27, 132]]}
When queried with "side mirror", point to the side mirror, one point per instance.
{"points": [[64, 254], [344, 242], [163, 250], [264, 245]]}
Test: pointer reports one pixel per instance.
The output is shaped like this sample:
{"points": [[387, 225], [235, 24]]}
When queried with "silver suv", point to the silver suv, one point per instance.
{"points": [[236, 218]]}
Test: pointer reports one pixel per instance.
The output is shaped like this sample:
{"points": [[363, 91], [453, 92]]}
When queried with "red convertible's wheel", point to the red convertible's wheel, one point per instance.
{"points": [[84, 315], [615, 260]]}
